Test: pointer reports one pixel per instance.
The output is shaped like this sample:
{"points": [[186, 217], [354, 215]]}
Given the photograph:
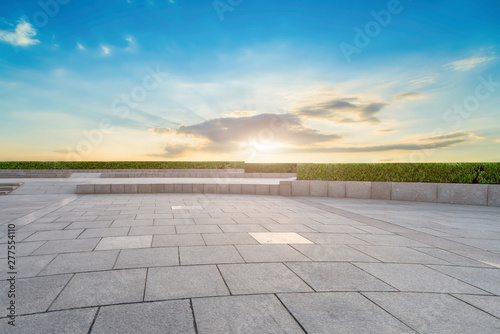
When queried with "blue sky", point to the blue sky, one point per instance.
{"points": [[260, 81]]}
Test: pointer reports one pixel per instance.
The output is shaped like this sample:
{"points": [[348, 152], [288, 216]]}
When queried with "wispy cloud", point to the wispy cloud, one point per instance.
{"points": [[431, 143], [408, 96], [343, 110], [105, 50], [468, 63], [21, 36], [419, 81], [80, 46]]}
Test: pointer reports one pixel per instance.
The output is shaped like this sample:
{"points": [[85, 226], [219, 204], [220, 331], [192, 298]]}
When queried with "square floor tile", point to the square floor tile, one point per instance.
{"points": [[147, 257], [125, 242], [209, 255], [280, 238], [158, 317], [243, 314], [270, 253], [101, 288], [255, 278], [184, 282], [341, 312]]}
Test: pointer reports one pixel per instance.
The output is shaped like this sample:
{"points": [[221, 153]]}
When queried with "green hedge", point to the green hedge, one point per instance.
{"points": [[270, 168], [121, 164], [403, 172]]}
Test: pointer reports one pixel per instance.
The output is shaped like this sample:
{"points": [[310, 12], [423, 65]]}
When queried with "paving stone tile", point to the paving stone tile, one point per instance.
{"points": [[270, 253], [287, 228], [341, 312], [157, 317], [208, 255], [184, 282], [147, 257], [67, 246], [61, 322], [243, 314], [489, 304], [487, 279], [104, 232], [390, 240], [334, 229], [214, 221], [181, 229], [435, 313], [150, 230], [228, 239], [178, 240], [30, 266], [417, 278], [54, 235], [132, 222], [333, 276], [44, 226], [280, 238], [26, 248], [451, 257], [80, 262], [242, 228], [121, 242], [333, 238], [102, 288], [253, 278], [176, 221], [80, 225], [255, 220], [35, 294], [333, 253], [398, 254]]}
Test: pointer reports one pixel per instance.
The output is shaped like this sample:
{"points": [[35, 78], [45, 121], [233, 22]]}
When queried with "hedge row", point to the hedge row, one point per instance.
{"points": [[122, 165], [270, 168], [403, 172]]}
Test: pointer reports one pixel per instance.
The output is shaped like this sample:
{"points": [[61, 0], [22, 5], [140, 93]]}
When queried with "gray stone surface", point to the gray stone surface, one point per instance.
{"points": [[29, 266], [358, 189], [80, 262], [143, 241], [102, 288], [318, 188], [104, 232], [61, 322], [494, 195], [147, 257], [178, 240], [270, 253], [54, 235], [35, 294], [333, 253], [67, 246], [208, 255], [415, 192], [341, 312], [85, 189], [489, 304], [243, 314], [229, 239], [435, 313], [454, 193], [337, 189], [487, 279], [300, 188], [334, 276], [417, 278], [102, 188], [381, 190], [398, 254], [254, 278], [157, 317], [184, 282]]}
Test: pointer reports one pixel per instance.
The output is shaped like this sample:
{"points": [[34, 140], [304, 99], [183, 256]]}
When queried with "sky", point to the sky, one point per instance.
{"points": [[250, 80]]}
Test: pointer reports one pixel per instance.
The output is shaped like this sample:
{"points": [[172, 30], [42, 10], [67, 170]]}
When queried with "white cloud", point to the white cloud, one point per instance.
{"points": [[80, 46], [21, 36], [468, 63], [105, 50], [423, 80]]}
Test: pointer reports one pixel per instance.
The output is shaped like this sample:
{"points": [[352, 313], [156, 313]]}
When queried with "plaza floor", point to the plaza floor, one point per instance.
{"points": [[194, 263]]}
